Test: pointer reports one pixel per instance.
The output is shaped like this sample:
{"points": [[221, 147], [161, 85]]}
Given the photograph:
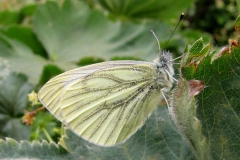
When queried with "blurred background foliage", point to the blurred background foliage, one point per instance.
{"points": [[40, 39]]}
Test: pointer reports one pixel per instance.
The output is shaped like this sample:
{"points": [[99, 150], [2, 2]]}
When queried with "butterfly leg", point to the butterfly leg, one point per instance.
{"points": [[165, 98], [170, 116]]}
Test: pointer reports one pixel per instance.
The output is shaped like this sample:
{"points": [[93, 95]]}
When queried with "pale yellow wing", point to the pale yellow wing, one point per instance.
{"points": [[50, 93], [105, 103]]}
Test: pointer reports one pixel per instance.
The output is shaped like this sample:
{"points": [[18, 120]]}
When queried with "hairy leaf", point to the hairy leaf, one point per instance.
{"points": [[217, 106]]}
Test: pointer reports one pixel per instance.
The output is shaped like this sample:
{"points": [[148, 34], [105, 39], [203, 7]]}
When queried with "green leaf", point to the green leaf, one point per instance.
{"points": [[164, 10], [21, 58], [41, 126], [13, 102], [183, 112], [157, 139], [28, 10], [116, 58], [10, 149], [191, 35], [72, 31], [193, 56], [218, 104], [89, 60], [49, 72], [26, 36], [9, 17], [4, 69]]}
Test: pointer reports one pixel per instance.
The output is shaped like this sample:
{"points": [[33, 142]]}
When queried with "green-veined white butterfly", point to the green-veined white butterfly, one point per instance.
{"points": [[106, 103]]}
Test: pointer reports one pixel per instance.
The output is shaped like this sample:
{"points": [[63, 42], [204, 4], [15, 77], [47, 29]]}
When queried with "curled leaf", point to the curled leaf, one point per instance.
{"points": [[194, 87]]}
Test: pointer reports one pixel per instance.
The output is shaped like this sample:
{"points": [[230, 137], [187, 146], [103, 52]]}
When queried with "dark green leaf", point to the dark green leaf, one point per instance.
{"points": [[158, 139], [218, 106], [116, 58], [28, 10], [41, 126], [49, 72], [13, 102], [164, 10], [89, 60], [9, 17], [26, 36]]}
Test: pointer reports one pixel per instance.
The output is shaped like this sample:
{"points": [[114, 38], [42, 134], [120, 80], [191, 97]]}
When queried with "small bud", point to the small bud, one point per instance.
{"points": [[32, 97]]}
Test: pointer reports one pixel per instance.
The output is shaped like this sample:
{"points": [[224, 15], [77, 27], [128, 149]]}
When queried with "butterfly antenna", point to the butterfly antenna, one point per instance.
{"points": [[181, 17], [157, 41]]}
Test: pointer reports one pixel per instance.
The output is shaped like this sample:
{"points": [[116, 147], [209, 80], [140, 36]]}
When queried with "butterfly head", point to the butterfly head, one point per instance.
{"points": [[164, 62]]}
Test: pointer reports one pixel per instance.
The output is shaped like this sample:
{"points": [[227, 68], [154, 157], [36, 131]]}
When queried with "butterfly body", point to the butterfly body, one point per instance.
{"points": [[106, 103]]}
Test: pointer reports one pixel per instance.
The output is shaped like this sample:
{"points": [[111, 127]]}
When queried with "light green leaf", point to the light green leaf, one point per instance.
{"points": [[183, 112], [10, 149], [21, 58], [73, 31]]}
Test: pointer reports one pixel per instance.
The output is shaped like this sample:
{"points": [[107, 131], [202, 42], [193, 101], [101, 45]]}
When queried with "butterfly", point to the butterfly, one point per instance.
{"points": [[106, 103]]}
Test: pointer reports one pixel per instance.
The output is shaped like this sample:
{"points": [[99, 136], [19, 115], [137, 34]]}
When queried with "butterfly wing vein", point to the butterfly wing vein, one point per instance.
{"points": [[104, 103]]}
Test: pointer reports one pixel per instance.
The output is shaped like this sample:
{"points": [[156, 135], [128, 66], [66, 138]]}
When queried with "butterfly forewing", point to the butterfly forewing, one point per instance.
{"points": [[108, 106], [51, 92], [105, 103]]}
